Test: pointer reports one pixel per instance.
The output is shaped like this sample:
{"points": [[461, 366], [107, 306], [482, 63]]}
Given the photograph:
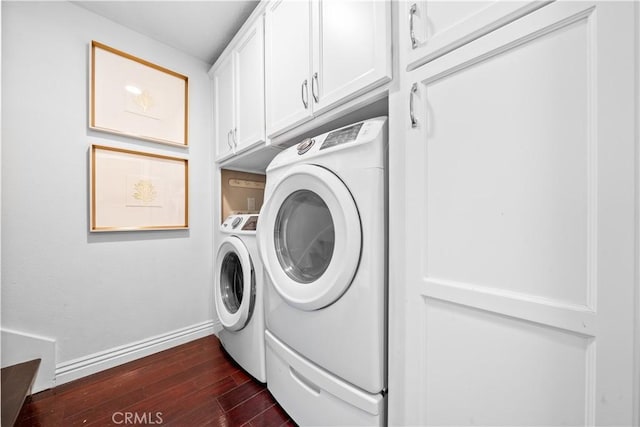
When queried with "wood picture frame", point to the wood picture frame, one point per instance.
{"points": [[135, 190], [134, 97]]}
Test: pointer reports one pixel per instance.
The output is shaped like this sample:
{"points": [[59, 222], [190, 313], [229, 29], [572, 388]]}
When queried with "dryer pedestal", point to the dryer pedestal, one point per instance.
{"points": [[313, 396]]}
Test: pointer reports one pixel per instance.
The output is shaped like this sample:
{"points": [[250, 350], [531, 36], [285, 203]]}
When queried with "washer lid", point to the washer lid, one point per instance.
{"points": [[234, 284], [310, 237]]}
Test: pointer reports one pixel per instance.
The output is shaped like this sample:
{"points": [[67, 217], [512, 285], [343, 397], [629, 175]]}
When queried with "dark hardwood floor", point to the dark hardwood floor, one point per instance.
{"points": [[195, 384]]}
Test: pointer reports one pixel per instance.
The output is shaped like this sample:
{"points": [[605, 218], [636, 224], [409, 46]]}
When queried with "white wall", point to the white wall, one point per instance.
{"points": [[90, 292]]}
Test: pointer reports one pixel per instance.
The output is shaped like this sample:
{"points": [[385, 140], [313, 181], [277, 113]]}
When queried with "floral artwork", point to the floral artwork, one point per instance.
{"points": [[134, 190], [143, 191], [134, 97], [142, 102]]}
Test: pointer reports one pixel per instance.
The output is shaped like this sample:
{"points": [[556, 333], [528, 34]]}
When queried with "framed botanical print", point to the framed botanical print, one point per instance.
{"points": [[134, 97], [134, 190]]}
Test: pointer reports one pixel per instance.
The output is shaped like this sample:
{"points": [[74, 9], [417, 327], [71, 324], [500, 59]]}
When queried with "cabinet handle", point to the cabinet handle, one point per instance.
{"points": [[412, 11], [228, 141], [314, 84], [235, 137], [305, 94], [412, 116]]}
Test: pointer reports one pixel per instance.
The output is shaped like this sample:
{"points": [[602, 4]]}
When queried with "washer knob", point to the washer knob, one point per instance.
{"points": [[236, 221]]}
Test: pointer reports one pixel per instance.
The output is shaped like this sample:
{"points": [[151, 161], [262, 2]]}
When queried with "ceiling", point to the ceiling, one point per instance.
{"points": [[199, 28]]}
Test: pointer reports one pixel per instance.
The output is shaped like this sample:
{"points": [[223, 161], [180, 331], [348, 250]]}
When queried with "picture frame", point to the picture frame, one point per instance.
{"points": [[134, 97], [134, 190]]}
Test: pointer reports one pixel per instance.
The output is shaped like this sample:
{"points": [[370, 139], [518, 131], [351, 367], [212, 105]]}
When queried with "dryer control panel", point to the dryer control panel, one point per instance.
{"points": [[351, 141], [341, 136]]}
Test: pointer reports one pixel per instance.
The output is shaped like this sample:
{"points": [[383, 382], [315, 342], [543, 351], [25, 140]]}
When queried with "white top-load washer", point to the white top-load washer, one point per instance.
{"points": [[321, 237], [238, 294]]}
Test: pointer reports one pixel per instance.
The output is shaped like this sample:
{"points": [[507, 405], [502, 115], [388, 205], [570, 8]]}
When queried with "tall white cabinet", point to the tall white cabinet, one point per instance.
{"points": [[513, 227], [320, 54]]}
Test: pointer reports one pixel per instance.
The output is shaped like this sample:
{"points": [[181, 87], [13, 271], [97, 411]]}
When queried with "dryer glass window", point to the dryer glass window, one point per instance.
{"points": [[304, 236], [231, 282]]}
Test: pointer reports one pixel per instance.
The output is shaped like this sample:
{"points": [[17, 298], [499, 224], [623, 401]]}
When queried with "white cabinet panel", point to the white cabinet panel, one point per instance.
{"points": [[518, 154], [516, 232], [223, 107], [288, 64], [432, 28], [249, 65], [526, 374], [352, 49]]}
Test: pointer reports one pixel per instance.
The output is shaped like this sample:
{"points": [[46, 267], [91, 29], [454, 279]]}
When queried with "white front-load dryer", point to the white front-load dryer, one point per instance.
{"points": [[321, 236], [238, 294]]}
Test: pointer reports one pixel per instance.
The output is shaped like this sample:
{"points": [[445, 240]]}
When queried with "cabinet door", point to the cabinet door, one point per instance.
{"points": [[432, 28], [518, 227], [288, 61], [249, 84], [352, 49], [223, 108]]}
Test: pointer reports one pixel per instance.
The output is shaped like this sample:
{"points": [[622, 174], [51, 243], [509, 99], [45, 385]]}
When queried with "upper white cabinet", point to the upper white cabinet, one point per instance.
{"points": [[351, 49], [238, 82], [287, 64], [223, 106], [249, 86], [433, 28], [320, 54]]}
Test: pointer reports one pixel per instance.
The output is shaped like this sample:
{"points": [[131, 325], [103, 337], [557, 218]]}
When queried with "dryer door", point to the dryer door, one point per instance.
{"points": [[310, 237], [235, 284]]}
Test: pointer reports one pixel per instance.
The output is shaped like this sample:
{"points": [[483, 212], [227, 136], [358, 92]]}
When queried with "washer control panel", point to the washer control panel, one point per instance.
{"points": [[251, 223], [239, 223]]}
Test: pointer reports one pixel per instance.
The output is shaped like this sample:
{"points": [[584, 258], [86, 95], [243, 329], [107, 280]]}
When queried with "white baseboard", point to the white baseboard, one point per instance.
{"points": [[217, 327], [18, 347], [87, 365]]}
